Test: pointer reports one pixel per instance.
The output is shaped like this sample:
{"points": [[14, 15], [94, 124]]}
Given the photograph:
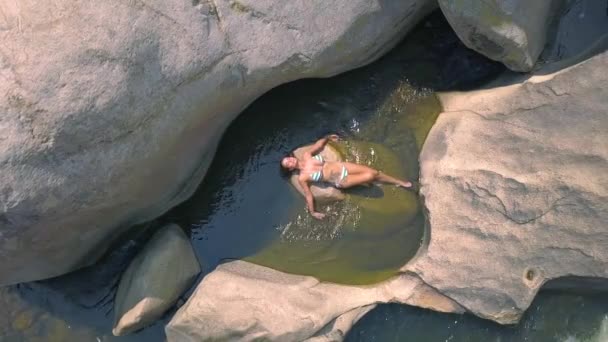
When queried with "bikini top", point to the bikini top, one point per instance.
{"points": [[317, 176]]}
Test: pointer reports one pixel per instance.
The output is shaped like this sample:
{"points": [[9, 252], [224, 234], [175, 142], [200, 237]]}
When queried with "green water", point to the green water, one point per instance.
{"points": [[244, 210]]}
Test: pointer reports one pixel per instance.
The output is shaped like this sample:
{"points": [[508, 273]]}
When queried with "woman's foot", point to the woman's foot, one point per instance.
{"points": [[406, 185], [410, 185]]}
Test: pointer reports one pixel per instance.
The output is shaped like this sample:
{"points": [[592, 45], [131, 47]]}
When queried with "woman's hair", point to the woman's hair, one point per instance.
{"points": [[285, 173]]}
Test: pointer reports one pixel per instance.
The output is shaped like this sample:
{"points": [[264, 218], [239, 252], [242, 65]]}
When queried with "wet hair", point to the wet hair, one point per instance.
{"points": [[285, 172]]}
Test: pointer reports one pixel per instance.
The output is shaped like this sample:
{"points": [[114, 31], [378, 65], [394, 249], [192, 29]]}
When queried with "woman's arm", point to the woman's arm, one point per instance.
{"points": [[310, 204], [318, 146]]}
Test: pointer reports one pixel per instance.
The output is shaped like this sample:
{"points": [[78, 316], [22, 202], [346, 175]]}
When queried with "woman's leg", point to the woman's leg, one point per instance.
{"points": [[384, 178], [356, 179], [356, 175], [360, 174]]}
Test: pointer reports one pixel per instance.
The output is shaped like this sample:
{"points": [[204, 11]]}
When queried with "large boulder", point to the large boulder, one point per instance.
{"points": [[111, 111], [154, 280], [515, 182], [513, 32], [240, 301]]}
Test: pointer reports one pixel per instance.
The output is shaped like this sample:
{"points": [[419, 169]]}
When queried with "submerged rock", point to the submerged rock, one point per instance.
{"points": [[154, 280], [392, 203], [111, 111], [515, 182], [510, 31], [240, 301]]}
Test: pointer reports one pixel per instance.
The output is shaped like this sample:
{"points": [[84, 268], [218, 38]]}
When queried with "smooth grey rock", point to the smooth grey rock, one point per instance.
{"points": [[515, 181], [154, 280], [513, 32], [110, 112], [322, 192], [240, 301]]}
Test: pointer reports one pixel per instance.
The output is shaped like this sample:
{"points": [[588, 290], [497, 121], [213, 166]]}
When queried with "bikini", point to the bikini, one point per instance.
{"points": [[317, 176]]}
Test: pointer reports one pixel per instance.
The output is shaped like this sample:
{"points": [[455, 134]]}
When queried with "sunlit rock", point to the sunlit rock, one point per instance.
{"points": [[248, 302]]}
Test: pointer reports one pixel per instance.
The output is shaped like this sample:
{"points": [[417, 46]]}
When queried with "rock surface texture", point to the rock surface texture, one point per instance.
{"points": [[509, 31], [110, 112], [515, 181], [240, 301], [154, 280]]}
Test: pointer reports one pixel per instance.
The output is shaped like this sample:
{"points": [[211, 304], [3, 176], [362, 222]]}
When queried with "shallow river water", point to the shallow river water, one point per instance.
{"points": [[243, 209]]}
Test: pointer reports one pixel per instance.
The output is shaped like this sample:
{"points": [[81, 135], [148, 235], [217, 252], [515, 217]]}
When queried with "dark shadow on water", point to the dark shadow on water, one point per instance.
{"points": [[446, 65], [78, 306], [578, 31], [553, 316]]}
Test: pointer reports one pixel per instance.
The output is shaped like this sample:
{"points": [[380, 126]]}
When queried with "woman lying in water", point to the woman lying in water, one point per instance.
{"points": [[312, 168]]}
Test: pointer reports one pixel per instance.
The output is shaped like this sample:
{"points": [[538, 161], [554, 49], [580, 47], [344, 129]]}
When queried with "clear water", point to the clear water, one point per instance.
{"points": [[244, 210]]}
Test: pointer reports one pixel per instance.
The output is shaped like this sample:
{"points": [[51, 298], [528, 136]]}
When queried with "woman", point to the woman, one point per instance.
{"points": [[312, 168]]}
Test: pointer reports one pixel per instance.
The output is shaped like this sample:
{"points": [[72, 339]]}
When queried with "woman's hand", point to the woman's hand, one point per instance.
{"points": [[317, 215], [333, 137]]}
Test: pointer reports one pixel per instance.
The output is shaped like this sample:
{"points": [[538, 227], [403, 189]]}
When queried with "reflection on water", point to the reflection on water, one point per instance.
{"points": [[552, 317]]}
